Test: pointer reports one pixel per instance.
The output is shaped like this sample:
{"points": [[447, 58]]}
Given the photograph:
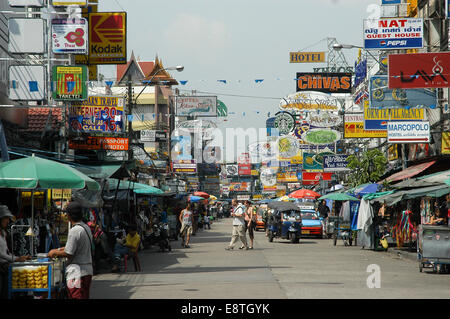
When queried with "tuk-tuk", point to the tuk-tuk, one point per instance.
{"points": [[260, 222], [285, 222]]}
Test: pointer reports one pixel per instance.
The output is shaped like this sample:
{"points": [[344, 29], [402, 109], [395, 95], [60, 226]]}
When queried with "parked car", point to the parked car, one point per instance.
{"points": [[312, 223]]}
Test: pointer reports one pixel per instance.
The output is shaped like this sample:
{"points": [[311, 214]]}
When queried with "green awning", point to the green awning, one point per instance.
{"points": [[138, 188]]}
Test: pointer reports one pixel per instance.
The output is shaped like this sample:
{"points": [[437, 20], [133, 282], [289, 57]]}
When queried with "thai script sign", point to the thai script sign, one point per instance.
{"points": [[393, 33], [334, 163]]}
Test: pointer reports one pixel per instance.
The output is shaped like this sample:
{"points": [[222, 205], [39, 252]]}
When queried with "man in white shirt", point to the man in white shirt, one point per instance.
{"points": [[238, 225]]}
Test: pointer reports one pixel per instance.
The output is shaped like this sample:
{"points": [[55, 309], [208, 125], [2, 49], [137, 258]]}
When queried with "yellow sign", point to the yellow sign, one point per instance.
{"points": [[61, 193], [445, 143], [412, 8], [257, 197], [306, 57], [354, 128], [393, 152], [281, 193], [255, 172], [392, 114], [287, 177]]}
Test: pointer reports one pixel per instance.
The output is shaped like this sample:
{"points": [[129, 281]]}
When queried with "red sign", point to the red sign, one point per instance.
{"points": [[314, 178], [419, 70], [100, 143]]}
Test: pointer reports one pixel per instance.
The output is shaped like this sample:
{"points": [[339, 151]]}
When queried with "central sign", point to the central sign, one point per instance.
{"points": [[325, 82]]}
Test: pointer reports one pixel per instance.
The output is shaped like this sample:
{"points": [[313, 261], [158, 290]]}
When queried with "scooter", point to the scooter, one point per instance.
{"points": [[159, 236]]}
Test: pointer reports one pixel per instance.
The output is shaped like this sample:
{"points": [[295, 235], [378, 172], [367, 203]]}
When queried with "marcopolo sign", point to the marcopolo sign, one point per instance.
{"points": [[393, 33], [325, 82], [408, 132]]}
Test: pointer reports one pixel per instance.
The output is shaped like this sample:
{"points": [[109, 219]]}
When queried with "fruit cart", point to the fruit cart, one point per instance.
{"points": [[37, 276]]}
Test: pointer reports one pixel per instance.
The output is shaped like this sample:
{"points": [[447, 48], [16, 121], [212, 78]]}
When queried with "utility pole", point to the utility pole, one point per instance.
{"points": [[130, 112]]}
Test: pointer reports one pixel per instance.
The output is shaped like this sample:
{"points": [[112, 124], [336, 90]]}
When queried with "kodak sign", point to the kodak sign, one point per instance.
{"points": [[107, 38], [325, 82]]}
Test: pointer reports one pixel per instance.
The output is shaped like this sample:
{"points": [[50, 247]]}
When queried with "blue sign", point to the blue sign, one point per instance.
{"points": [[383, 97], [391, 2], [333, 163], [360, 72]]}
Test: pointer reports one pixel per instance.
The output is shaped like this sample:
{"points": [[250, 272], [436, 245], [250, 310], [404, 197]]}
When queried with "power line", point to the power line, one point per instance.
{"points": [[236, 95]]}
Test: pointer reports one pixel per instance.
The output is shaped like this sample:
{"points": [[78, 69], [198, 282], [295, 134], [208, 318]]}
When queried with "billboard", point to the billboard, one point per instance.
{"points": [[97, 114], [70, 36], [354, 127], [232, 170], [287, 177], [324, 82], [377, 119], [360, 72], [26, 3], [240, 187], [311, 163], [27, 83], [383, 97], [69, 83], [419, 70], [186, 166], [107, 38], [306, 57], [26, 35], [310, 101], [408, 132], [335, 163], [100, 143], [393, 33], [196, 105], [314, 178], [445, 143]]}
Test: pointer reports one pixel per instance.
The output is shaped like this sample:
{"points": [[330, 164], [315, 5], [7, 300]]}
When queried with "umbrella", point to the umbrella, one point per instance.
{"points": [[285, 199], [212, 197], [304, 193], [202, 194], [283, 206], [194, 199], [38, 173], [339, 196]]}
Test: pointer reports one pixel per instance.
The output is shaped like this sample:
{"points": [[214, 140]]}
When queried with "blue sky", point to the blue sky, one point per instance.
{"points": [[239, 41]]}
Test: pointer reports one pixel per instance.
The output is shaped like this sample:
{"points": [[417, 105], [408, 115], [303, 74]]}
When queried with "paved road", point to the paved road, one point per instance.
{"points": [[314, 268]]}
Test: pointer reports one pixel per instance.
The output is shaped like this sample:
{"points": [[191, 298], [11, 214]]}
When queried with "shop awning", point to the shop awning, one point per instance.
{"points": [[437, 178], [393, 198], [409, 172], [138, 188]]}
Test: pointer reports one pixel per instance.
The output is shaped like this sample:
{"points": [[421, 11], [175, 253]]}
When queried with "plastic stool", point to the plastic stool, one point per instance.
{"points": [[137, 264]]}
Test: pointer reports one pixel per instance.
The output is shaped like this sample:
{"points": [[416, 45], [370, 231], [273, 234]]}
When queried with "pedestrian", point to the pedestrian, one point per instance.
{"points": [[78, 251], [196, 212], [6, 257], [207, 222], [186, 220], [250, 220], [101, 245], [238, 225], [126, 247]]}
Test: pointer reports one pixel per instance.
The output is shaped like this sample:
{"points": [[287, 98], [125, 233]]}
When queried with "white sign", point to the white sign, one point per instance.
{"points": [[408, 132], [243, 197], [268, 177], [148, 136], [26, 3], [310, 101], [69, 36], [26, 35], [393, 33], [196, 105], [27, 83]]}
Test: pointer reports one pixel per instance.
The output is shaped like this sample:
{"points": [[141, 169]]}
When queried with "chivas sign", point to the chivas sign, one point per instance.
{"points": [[419, 70], [325, 82]]}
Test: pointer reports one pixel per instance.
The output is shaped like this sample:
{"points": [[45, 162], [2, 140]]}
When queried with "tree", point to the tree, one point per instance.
{"points": [[366, 169]]}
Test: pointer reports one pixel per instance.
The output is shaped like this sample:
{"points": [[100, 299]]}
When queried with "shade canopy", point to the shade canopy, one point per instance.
{"points": [[202, 194], [38, 173], [138, 188], [194, 199], [304, 193], [364, 189], [339, 197]]}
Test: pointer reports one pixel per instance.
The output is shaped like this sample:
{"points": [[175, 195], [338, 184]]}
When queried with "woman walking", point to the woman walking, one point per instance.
{"points": [[250, 221]]}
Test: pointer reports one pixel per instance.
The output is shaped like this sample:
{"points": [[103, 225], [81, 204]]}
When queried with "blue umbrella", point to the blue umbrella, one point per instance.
{"points": [[194, 199], [366, 189]]}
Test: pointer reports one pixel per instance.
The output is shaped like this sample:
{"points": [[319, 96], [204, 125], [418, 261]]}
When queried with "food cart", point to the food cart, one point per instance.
{"points": [[39, 275], [433, 249]]}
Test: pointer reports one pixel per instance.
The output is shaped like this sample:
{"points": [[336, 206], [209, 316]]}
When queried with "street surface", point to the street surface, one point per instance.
{"points": [[314, 268]]}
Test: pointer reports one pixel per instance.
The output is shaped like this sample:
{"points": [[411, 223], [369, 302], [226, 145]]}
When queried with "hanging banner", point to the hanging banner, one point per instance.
{"points": [[196, 105], [70, 83], [335, 163], [419, 70], [100, 143], [309, 101], [360, 72], [383, 97], [70, 36], [408, 132], [354, 127], [324, 82], [376, 119], [107, 38], [97, 114], [393, 33], [445, 149], [306, 57]]}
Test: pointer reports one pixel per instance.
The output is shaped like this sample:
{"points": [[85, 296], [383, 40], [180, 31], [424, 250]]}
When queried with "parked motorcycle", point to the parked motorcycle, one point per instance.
{"points": [[158, 236]]}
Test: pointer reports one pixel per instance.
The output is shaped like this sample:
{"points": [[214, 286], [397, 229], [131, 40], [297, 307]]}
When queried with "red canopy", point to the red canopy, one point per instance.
{"points": [[304, 193], [202, 194]]}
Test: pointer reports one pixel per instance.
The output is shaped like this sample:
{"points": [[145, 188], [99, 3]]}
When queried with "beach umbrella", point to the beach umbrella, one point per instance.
{"points": [[195, 199], [339, 197], [304, 193], [202, 194], [285, 199]]}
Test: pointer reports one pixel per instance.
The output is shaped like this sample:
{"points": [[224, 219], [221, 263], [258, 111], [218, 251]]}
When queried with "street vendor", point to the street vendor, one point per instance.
{"points": [[5, 256], [125, 247], [437, 218]]}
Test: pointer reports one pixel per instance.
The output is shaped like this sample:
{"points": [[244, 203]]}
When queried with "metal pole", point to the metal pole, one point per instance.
{"points": [[130, 124]]}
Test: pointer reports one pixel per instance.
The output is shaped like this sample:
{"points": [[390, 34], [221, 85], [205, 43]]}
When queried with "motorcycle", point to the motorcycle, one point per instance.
{"points": [[286, 222], [159, 236]]}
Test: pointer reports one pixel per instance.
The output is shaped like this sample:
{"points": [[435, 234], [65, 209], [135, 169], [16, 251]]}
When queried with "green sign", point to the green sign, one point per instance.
{"points": [[70, 82], [222, 109], [312, 163]]}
